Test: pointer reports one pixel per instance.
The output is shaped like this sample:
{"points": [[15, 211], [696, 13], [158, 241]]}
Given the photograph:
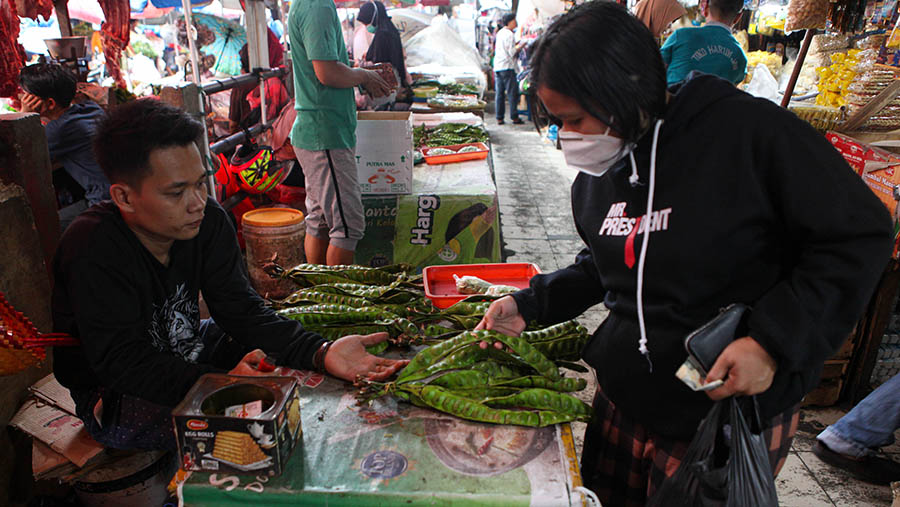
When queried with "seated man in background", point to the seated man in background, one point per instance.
{"points": [[128, 274], [49, 89], [711, 48]]}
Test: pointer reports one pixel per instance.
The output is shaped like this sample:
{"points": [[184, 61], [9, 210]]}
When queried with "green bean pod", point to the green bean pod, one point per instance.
{"points": [[565, 384], [554, 331], [460, 379], [529, 354], [495, 370], [334, 332], [462, 357], [435, 353], [445, 401], [317, 297], [467, 309], [566, 347], [543, 399]]}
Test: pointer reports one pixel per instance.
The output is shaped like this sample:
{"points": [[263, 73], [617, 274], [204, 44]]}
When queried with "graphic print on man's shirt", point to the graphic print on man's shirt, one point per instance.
{"points": [[617, 223], [176, 326]]}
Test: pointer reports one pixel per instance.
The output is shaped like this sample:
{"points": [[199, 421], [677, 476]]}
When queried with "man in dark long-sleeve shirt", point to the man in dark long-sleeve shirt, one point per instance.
{"points": [[128, 274], [49, 90]]}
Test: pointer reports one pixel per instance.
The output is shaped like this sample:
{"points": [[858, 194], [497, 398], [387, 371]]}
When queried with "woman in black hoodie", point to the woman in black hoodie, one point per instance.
{"points": [[691, 199]]}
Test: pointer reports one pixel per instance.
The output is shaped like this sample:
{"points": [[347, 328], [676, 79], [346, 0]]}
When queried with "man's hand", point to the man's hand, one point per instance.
{"points": [[747, 365], [32, 103], [347, 359], [374, 84], [249, 365]]}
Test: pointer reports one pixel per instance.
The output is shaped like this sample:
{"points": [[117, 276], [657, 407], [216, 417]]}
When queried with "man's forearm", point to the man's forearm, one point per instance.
{"points": [[337, 75]]}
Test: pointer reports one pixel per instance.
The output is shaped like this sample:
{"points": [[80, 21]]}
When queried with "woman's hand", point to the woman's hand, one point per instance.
{"points": [[347, 359], [503, 316], [747, 365]]}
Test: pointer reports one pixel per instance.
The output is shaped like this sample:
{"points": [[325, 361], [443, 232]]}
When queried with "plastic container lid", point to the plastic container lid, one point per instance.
{"points": [[273, 217]]}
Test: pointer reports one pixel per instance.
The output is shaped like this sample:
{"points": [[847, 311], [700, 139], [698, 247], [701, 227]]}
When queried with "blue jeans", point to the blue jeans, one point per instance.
{"points": [[870, 425], [507, 88], [129, 422]]}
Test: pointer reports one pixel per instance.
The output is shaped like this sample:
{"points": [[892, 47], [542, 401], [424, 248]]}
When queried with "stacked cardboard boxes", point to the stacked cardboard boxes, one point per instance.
{"points": [[423, 215]]}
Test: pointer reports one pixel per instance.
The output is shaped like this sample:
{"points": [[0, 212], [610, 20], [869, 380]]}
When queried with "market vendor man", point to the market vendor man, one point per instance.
{"points": [[128, 273], [324, 133]]}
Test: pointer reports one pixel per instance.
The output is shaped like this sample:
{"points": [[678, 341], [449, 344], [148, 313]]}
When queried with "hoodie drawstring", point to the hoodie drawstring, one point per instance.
{"points": [[633, 179], [642, 344]]}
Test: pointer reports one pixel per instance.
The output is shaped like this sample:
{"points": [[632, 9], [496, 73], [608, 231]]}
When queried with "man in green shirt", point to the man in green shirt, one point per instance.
{"points": [[324, 134]]}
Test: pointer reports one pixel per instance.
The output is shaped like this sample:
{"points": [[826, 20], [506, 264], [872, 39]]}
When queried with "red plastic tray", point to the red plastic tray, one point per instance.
{"points": [[451, 158], [440, 287]]}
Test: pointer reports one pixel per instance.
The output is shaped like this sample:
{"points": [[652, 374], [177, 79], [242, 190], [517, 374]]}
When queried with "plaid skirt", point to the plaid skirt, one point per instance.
{"points": [[624, 464]]}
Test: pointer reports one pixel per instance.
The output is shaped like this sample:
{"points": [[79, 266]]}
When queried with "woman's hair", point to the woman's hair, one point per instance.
{"points": [[619, 76], [130, 132]]}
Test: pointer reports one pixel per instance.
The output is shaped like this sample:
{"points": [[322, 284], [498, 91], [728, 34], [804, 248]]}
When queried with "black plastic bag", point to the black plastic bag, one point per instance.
{"points": [[727, 462]]}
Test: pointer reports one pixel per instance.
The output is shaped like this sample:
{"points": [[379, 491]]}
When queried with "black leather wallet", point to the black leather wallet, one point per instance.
{"points": [[705, 343]]}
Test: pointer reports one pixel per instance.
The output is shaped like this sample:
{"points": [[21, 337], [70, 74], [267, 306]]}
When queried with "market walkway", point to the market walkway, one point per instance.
{"points": [[536, 219]]}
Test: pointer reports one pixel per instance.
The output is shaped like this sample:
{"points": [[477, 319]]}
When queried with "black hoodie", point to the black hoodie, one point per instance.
{"points": [[751, 205]]}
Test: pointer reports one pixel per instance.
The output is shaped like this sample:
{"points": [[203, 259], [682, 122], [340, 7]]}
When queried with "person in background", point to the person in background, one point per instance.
{"points": [[852, 442], [240, 108], [674, 232], [711, 48], [362, 38], [128, 274], [658, 15], [324, 133], [505, 84], [386, 46], [276, 95], [48, 90]]}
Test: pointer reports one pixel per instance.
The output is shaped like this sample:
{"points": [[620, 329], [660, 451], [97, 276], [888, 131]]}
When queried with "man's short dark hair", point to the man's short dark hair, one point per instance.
{"points": [[728, 9], [507, 19], [48, 81], [127, 135]]}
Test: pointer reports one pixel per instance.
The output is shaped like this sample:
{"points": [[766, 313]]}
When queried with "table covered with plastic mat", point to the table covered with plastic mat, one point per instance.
{"points": [[393, 453]]}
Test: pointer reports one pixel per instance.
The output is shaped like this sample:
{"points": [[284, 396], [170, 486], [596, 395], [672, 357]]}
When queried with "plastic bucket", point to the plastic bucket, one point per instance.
{"points": [[138, 479]]}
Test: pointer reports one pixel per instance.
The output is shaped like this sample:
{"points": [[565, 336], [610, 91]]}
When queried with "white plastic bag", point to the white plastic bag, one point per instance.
{"points": [[763, 84]]}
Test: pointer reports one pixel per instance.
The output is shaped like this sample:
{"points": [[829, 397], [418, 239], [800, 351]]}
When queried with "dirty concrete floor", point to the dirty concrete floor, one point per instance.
{"points": [[536, 219]]}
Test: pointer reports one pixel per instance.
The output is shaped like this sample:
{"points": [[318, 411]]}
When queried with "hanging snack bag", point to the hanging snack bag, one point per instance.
{"points": [[806, 14]]}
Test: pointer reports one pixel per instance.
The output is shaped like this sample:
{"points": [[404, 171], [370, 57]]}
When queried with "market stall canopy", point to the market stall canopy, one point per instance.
{"points": [[90, 11], [143, 9]]}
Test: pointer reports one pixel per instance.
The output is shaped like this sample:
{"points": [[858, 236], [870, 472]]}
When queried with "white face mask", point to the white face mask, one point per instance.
{"points": [[592, 154]]}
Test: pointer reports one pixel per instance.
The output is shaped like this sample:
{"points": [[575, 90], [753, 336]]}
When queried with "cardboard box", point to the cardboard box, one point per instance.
{"points": [[208, 440], [384, 152], [376, 249], [879, 168], [450, 219]]}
